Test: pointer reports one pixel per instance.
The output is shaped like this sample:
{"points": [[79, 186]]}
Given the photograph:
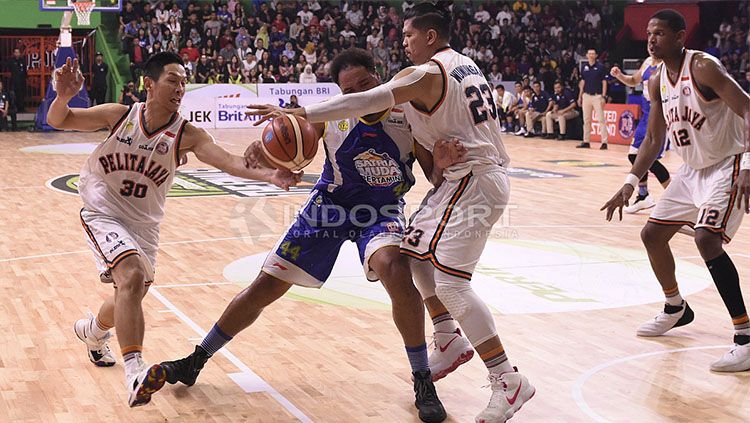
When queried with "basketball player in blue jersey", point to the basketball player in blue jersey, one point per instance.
{"points": [[358, 198], [701, 108], [123, 187], [643, 200]]}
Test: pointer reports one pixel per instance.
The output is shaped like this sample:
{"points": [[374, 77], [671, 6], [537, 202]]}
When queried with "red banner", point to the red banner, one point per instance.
{"points": [[620, 120]]}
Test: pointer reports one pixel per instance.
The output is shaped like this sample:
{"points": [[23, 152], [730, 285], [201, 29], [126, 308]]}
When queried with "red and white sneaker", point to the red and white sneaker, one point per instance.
{"points": [[451, 350], [510, 391]]}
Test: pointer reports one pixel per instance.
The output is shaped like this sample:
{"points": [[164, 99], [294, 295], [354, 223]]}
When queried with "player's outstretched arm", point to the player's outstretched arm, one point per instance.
{"points": [[710, 73], [68, 82], [629, 80], [647, 153], [203, 145], [413, 83]]}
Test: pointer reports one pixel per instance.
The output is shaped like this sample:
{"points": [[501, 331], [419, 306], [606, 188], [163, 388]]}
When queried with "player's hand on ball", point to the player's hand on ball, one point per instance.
{"points": [[447, 153], [68, 79], [618, 201], [265, 111], [254, 158], [284, 178], [742, 187]]}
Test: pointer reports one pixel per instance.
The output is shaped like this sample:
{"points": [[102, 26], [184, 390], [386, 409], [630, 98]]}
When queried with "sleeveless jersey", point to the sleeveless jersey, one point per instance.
{"points": [[704, 132], [466, 111], [128, 175], [368, 162], [646, 98]]}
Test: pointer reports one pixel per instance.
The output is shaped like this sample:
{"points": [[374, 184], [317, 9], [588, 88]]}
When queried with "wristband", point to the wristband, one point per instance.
{"points": [[745, 161], [632, 180]]}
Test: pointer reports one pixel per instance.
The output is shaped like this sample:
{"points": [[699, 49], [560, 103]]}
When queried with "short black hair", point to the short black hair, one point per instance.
{"points": [[559, 81], [674, 19], [536, 83], [435, 16], [156, 63], [351, 57]]}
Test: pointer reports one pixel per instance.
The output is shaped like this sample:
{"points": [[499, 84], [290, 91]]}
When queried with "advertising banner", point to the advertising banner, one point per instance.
{"points": [[223, 105], [620, 123]]}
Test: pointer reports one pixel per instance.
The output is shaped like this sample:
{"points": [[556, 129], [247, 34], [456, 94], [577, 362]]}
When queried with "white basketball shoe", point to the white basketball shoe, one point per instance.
{"points": [[510, 391], [96, 348], [735, 360], [451, 350], [144, 382], [671, 317], [641, 203]]}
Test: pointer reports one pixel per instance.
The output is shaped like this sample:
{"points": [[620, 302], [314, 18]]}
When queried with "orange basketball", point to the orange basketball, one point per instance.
{"points": [[289, 142]]}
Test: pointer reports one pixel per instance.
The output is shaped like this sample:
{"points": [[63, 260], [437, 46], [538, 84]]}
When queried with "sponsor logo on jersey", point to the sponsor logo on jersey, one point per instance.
{"points": [[115, 247], [686, 91], [626, 124], [128, 126], [694, 118], [378, 169], [162, 147], [204, 183], [126, 140], [343, 125], [111, 236], [393, 227]]}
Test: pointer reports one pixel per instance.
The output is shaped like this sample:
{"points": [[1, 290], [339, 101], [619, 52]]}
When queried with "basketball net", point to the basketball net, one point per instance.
{"points": [[83, 11]]}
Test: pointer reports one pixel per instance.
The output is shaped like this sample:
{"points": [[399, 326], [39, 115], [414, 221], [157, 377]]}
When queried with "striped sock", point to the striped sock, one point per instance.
{"points": [[673, 296], [741, 325], [132, 356], [444, 322], [418, 358], [496, 361], [98, 329], [215, 340]]}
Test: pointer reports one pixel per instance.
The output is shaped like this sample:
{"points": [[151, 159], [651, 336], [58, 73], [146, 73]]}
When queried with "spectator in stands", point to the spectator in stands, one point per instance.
{"points": [[308, 77], [522, 106], [563, 110], [541, 103], [745, 83], [234, 69], [593, 91], [189, 68], [203, 70], [227, 52], [128, 96], [505, 100], [99, 72], [189, 49]]}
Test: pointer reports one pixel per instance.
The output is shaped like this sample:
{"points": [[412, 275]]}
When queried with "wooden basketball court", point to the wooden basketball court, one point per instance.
{"points": [[568, 291]]}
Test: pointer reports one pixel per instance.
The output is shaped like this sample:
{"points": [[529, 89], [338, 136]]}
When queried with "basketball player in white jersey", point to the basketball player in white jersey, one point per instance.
{"points": [[445, 95], [123, 187], [700, 108]]}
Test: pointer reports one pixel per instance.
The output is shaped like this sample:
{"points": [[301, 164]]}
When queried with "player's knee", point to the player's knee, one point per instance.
{"points": [[653, 235], [453, 296], [710, 244], [131, 281], [631, 158]]}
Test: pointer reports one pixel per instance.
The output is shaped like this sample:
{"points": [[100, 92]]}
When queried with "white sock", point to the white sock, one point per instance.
{"points": [[675, 300], [133, 364], [96, 330], [745, 332]]}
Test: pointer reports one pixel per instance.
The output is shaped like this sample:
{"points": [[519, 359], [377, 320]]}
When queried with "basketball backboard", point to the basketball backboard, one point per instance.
{"points": [[63, 5]]}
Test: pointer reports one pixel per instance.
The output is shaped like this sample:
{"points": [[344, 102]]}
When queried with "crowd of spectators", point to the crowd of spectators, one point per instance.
{"points": [[731, 44], [287, 41]]}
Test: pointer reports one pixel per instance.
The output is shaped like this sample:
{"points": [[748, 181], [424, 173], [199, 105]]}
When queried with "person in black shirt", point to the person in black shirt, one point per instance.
{"points": [[128, 96], [563, 109], [99, 70], [541, 103], [18, 78]]}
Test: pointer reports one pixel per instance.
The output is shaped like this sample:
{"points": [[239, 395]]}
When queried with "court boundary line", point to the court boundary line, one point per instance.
{"points": [[267, 388], [577, 389]]}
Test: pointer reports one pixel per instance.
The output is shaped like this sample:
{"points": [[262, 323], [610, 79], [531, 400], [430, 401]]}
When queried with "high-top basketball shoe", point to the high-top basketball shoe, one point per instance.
{"points": [[427, 402], [510, 391], [96, 348], [186, 369], [451, 350], [143, 383], [737, 359], [671, 317]]}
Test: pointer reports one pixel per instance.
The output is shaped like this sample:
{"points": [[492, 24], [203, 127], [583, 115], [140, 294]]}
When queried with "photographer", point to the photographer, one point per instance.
{"points": [[127, 96]]}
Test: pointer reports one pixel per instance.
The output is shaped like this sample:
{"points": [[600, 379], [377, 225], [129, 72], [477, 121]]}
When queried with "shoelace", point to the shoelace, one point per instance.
{"points": [[424, 393], [496, 394]]}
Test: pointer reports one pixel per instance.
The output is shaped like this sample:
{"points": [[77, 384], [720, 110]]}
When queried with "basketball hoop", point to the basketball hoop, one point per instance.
{"points": [[83, 11]]}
